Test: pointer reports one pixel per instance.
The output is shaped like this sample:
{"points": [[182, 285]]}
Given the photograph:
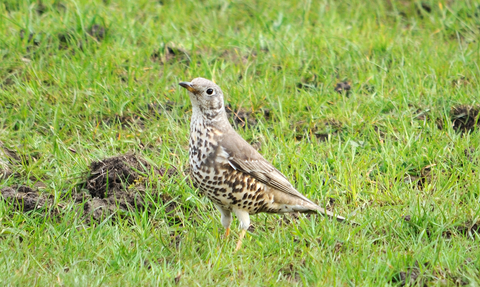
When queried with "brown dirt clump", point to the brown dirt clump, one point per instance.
{"points": [[24, 198], [465, 118], [121, 180], [114, 186], [343, 88]]}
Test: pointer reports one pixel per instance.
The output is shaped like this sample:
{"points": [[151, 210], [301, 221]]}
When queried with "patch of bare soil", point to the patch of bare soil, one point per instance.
{"points": [[115, 185], [120, 183], [465, 118], [24, 198]]}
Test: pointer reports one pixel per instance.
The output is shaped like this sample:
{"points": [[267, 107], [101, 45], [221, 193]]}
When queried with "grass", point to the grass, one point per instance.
{"points": [[71, 95]]}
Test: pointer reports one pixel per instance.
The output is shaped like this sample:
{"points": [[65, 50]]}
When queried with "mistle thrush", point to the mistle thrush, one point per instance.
{"points": [[229, 170]]}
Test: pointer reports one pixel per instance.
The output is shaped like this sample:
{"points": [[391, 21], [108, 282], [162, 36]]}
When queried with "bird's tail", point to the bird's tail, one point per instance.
{"points": [[330, 214]]}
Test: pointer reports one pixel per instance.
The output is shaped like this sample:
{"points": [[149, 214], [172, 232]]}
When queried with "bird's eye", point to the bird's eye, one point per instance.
{"points": [[210, 91]]}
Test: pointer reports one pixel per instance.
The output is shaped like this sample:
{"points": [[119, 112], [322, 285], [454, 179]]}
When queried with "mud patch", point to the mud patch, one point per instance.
{"points": [[465, 118], [114, 186], [118, 184], [24, 198], [122, 180]]}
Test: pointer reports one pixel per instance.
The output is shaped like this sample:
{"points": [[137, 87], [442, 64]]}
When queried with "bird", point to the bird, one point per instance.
{"points": [[229, 171]]}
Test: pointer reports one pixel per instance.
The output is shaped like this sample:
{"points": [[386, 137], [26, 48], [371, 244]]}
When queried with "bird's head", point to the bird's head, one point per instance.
{"points": [[205, 96]]}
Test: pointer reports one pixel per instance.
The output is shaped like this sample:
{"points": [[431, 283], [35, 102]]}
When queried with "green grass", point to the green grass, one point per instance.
{"points": [[65, 89]]}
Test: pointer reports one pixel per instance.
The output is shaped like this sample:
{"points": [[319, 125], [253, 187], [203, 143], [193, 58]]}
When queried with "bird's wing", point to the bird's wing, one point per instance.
{"points": [[242, 156]]}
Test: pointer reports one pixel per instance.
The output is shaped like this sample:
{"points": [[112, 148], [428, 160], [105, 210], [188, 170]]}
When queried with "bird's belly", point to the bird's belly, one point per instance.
{"points": [[232, 189]]}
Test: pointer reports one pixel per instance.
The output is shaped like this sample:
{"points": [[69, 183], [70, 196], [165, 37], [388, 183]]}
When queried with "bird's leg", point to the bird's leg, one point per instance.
{"points": [[240, 238], [244, 219], [226, 219]]}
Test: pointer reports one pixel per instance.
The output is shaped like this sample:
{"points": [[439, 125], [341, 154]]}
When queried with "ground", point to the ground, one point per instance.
{"points": [[370, 108]]}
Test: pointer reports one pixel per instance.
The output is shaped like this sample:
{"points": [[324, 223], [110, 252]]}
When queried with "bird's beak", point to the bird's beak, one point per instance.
{"points": [[188, 86]]}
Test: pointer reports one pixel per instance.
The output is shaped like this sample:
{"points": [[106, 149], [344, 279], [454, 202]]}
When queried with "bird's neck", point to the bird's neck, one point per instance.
{"points": [[210, 118]]}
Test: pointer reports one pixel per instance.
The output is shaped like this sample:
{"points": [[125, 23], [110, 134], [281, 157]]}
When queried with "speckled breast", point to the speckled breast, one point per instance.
{"points": [[218, 180], [230, 188]]}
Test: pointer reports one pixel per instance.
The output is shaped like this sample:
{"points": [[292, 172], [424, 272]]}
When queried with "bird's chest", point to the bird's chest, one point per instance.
{"points": [[203, 146]]}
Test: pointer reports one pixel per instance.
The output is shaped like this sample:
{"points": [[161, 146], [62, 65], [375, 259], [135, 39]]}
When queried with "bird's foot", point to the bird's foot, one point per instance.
{"points": [[227, 232]]}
